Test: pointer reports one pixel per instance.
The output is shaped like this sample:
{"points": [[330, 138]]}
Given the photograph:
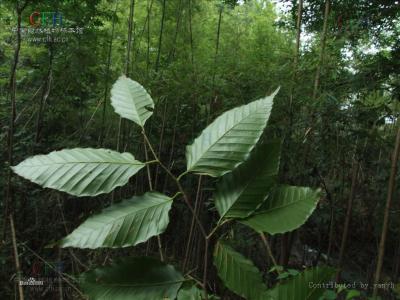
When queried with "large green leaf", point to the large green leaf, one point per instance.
{"points": [[127, 223], [285, 209], [242, 191], [131, 101], [80, 171], [308, 285], [227, 141], [238, 273], [139, 278], [189, 291]]}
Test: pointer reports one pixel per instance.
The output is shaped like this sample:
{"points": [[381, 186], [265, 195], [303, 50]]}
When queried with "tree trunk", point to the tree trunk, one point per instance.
{"points": [[316, 84], [355, 169], [9, 199], [45, 95], [217, 44], [322, 52], [391, 188], [287, 238], [127, 64], [295, 58], [148, 36], [160, 37], [107, 75], [191, 32], [178, 22]]}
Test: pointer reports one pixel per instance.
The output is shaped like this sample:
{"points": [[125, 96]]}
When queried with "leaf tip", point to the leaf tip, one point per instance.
{"points": [[275, 92]]}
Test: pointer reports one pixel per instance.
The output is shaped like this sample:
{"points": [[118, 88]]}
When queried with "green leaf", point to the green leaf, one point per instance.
{"points": [[241, 192], [127, 223], [352, 294], [80, 171], [138, 278], [228, 140], [293, 272], [308, 285], [328, 295], [238, 273], [190, 292], [283, 275], [285, 209], [131, 101]]}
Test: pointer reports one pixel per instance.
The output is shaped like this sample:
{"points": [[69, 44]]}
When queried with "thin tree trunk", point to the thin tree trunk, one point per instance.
{"points": [[9, 198], [322, 52], [316, 84], [286, 241], [191, 231], [160, 37], [164, 117], [191, 32], [178, 22], [172, 148], [397, 264], [217, 45], [130, 30], [391, 189], [107, 75], [16, 257], [145, 26], [355, 169], [160, 249], [296, 57], [45, 95], [148, 36], [127, 64]]}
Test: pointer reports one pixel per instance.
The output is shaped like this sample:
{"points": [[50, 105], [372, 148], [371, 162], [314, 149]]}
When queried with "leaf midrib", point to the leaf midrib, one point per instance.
{"points": [[278, 207], [221, 137], [128, 213], [134, 103], [269, 175], [80, 162]]}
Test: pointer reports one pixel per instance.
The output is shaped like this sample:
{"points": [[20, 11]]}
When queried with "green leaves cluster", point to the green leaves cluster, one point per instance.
{"points": [[247, 191], [242, 277]]}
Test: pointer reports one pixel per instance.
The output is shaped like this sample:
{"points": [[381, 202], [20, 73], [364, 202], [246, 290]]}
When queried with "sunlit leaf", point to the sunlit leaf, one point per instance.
{"points": [[127, 223], [228, 140], [131, 101], [80, 171]]}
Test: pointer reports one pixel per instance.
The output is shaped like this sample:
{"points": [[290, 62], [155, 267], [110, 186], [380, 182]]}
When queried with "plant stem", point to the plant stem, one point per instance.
{"points": [[189, 240], [269, 252], [107, 77], [16, 257], [160, 249], [196, 218]]}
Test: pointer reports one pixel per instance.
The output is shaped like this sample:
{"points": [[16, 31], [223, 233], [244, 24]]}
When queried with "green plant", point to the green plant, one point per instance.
{"points": [[247, 192]]}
